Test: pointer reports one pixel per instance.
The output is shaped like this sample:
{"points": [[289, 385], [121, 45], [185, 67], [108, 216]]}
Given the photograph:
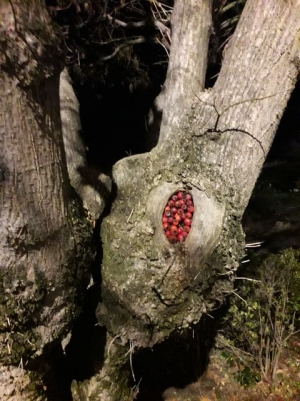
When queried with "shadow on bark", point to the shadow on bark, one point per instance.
{"points": [[83, 356], [84, 353], [176, 362]]}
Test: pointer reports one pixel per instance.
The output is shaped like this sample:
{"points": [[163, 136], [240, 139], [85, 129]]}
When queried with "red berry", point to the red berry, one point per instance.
{"points": [[187, 229], [181, 237], [177, 217], [191, 209], [165, 226], [187, 222], [172, 239], [174, 230]]}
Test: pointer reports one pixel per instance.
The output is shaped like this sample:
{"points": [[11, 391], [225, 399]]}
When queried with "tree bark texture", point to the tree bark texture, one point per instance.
{"points": [[44, 237], [92, 187], [212, 143]]}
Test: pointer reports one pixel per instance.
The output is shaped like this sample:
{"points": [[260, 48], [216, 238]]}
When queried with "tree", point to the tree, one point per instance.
{"points": [[45, 238], [212, 143]]}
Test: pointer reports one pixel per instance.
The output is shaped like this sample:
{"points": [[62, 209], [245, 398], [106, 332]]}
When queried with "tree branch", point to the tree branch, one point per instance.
{"points": [[191, 26]]}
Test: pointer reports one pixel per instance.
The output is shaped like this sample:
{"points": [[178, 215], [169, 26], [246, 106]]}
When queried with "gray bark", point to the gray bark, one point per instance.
{"points": [[186, 72], [92, 188], [44, 238], [212, 143]]}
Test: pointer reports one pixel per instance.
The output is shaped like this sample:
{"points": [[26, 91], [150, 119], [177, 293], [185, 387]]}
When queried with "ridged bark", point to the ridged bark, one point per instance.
{"points": [[44, 237], [213, 143]]}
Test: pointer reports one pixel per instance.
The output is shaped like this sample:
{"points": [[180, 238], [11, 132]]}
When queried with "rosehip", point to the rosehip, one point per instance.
{"points": [[174, 230], [191, 209], [177, 217], [187, 222], [187, 229], [181, 237], [172, 239]]}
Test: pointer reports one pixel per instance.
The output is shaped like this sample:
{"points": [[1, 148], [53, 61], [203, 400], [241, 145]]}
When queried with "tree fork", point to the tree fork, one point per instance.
{"points": [[212, 143]]}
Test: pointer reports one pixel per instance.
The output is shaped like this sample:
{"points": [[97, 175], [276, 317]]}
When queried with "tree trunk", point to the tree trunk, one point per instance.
{"points": [[44, 239], [92, 187], [212, 144]]}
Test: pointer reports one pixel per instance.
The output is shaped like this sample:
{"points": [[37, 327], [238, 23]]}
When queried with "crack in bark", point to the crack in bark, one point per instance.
{"points": [[238, 130], [19, 31], [167, 271], [160, 297], [219, 115], [218, 131]]}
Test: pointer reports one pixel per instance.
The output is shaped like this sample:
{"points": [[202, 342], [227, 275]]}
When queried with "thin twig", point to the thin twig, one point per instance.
{"points": [[235, 293], [127, 221], [246, 278], [130, 360], [111, 343]]}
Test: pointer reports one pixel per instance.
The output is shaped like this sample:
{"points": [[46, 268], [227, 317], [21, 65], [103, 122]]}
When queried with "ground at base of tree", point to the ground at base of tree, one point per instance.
{"points": [[220, 384]]}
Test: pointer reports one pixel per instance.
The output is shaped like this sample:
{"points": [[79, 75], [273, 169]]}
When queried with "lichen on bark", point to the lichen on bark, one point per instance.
{"points": [[212, 143], [46, 238]]}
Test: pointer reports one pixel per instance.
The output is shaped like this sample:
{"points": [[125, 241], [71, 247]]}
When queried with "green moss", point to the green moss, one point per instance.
{"points": [[21, 300]]}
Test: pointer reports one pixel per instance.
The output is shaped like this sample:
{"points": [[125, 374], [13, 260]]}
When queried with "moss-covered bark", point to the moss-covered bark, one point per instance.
{"points": [[45, 239], [112, 381], [212, 143]]}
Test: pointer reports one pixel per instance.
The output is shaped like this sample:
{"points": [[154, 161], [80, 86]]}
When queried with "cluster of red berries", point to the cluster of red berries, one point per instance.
{"points": [[177, 217]]}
